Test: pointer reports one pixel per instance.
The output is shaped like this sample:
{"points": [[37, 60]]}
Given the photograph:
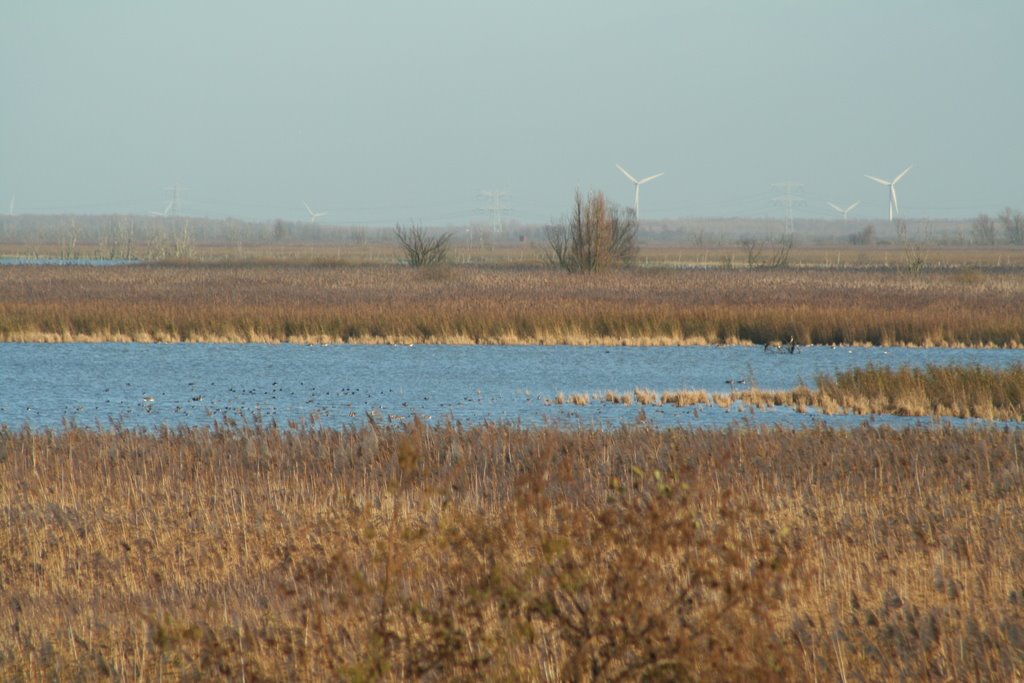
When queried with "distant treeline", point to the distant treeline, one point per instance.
{"points": [[160, 236]]}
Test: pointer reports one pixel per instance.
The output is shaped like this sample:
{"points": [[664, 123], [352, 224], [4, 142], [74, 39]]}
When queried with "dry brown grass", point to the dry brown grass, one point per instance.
{"points": [[502, 553], [463, 304], [961, 391]]}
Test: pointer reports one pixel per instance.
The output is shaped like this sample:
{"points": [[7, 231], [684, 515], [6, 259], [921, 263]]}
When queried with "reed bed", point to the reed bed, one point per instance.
{"points": [[963, 391], [498, 553], [329, 303], [969, 391]]}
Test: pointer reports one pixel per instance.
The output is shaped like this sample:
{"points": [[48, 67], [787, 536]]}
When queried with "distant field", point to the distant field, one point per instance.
{"points": [[534, 252], [331, 302]]}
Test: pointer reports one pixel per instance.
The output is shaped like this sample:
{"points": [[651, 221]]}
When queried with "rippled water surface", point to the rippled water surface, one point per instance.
{"points": [[146, 385]]}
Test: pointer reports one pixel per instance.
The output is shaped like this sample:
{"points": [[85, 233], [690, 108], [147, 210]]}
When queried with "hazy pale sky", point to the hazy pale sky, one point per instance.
{"points": [[389, 111]]}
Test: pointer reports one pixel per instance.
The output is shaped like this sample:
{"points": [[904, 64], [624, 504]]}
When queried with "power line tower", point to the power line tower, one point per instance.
{"points": [[497, 207], [788, 197], [175, 204]]}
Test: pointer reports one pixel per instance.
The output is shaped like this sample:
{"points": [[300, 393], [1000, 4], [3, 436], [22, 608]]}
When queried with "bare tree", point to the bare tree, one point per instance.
{"points": [[420, 248], [754, 249], [779, 256], [596, 235], [983, 229], [867, 237], [1013, 224]]}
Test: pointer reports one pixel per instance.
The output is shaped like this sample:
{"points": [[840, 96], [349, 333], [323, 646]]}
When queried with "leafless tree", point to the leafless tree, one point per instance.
{"points": [[597, 235], [1013, 224], [420, 248], [779, 256], [867, 237], [983, 229]]}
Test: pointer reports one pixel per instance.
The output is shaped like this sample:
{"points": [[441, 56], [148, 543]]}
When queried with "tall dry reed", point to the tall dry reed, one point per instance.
{"points": [[503, 553], [463, 304]]}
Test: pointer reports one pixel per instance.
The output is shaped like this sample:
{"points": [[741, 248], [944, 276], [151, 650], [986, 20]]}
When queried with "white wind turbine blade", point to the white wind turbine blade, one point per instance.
{"points": [[901, 174], [878, 180], [626, 173], [650, 177], [308, 209], [834, 207], [851, 207], [894, 204]]}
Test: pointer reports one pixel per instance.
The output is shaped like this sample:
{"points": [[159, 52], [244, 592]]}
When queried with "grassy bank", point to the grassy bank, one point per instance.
{"points": [[501, 553], [330, 303]]}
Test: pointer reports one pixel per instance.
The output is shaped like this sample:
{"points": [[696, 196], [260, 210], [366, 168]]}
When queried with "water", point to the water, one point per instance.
{"points": [[147, 385]]}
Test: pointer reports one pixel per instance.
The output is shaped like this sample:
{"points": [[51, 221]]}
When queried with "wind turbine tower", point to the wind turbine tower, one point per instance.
{"points": [[637, 183], [10, 209], [313, 215], [842, 210], [894, 207]]}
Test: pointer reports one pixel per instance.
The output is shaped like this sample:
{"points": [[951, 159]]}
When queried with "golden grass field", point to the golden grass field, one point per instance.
{"points": [[328, 302], [497, 553]]}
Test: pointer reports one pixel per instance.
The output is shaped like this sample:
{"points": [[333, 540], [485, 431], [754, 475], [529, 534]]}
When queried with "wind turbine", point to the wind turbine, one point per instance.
{"points": [[167, 210], [842, 210], [10, 209], [638, 183], [313, 215], [893, 206]]}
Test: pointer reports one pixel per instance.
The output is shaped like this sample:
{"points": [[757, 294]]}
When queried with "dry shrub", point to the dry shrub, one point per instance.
{"points": [[420, 247], [596, 236]]}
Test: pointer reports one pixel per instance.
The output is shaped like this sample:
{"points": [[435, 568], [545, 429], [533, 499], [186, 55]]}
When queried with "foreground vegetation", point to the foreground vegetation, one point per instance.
{"points": [[329, 303], [502, 553]]}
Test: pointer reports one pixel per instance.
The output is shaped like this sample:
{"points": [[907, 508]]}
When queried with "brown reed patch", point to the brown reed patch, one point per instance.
{"points": [[502, 553], [962, 391], [331, 303], [646, 397], [683, 399], [940, 391]]}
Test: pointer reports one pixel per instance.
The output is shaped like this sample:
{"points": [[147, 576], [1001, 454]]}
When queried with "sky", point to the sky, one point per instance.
{"points": [[405, 111]]}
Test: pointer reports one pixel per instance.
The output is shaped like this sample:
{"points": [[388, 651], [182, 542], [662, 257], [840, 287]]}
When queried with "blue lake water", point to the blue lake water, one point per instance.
{"points": [[147, 385]]}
